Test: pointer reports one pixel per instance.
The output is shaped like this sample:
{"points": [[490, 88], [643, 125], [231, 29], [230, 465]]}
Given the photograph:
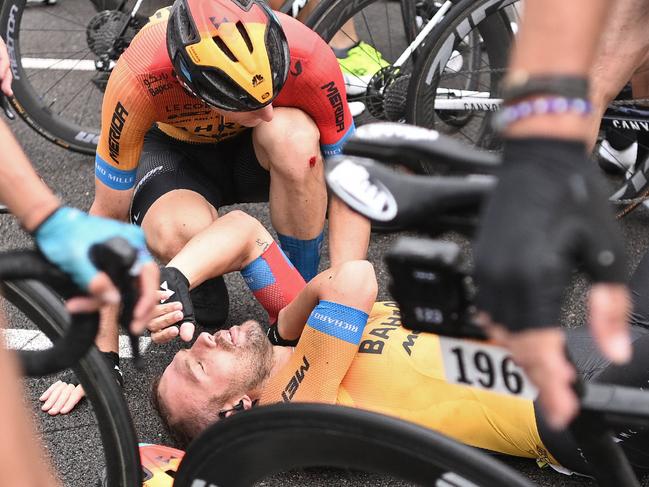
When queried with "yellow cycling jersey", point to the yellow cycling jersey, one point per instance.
{"points": [[400, 373]]}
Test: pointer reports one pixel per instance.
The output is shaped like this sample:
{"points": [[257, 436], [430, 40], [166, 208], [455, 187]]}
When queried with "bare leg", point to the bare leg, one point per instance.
{"points": [[288, 147]]}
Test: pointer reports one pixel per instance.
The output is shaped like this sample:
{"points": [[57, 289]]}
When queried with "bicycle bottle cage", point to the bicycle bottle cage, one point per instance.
{"points": [[433, 292]]}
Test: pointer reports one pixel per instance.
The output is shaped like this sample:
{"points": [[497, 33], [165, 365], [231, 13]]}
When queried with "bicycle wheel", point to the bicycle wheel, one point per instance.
{"points": [[438, 97], [387, 30], [61, 57], [112, 431], [253, 445]]}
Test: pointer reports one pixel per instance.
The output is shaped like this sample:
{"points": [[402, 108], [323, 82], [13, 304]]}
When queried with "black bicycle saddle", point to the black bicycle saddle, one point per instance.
{"points": [[432, 204], [411, 146]]}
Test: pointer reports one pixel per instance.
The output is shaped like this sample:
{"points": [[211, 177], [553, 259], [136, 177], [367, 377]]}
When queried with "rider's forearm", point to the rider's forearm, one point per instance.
{"points": [[352, 284], [349, 233], [21, 463], [28, 198], [110, 203], [557, 37], [227, 245]]}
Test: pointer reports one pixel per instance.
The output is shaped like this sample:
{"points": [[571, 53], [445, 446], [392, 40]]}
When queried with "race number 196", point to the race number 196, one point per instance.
{"points": [[485, 367]]}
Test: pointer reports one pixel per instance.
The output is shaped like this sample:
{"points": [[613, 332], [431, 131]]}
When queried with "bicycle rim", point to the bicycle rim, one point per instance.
{"points": [[110, 430], [53, 49], [455, 97]]}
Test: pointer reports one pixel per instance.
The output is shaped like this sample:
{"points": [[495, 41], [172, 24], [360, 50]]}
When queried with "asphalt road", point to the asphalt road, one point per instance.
{"points": [[70, 438]]}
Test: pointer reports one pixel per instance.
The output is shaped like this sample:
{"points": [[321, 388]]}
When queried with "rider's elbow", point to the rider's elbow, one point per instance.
{"points": [[356, 281]]}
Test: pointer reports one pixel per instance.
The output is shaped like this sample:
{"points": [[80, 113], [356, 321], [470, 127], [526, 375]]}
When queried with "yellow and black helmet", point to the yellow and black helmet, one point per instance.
{"points": [[232, 54]]}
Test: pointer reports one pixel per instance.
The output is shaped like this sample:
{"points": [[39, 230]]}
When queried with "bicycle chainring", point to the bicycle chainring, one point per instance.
{"points": [[103, 33]]}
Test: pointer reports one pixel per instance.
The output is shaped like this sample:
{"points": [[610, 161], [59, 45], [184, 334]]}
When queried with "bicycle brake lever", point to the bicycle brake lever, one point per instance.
{"points": [[116, 257], [6, 107]]}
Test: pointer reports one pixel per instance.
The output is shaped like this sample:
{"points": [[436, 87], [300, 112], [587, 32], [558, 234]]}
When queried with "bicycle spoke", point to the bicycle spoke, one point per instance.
{"points": [[388, 23], [62, 78], [86, 105], [65, 19], [369, 32], [74, 96], [58, 61]]}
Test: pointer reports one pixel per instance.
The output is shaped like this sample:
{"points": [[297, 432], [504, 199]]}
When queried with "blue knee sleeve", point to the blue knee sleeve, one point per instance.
{"points": [[304, 254]]}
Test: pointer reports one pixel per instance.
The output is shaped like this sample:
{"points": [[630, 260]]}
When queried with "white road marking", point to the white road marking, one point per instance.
{"points": [[36, 340], [63, 64]]}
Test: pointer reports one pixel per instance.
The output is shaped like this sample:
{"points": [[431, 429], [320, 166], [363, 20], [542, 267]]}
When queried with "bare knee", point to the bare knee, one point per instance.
{"points": [[167, 237], [289, 145], [249, 225]]}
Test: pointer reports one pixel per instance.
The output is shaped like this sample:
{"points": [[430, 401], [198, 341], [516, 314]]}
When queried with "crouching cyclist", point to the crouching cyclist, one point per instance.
{"points": [[218, 102], [323, 329]]}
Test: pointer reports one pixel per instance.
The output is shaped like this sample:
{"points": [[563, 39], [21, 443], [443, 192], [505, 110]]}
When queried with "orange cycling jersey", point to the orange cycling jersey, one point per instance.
{"points": [[399, 372], [142, 90]]}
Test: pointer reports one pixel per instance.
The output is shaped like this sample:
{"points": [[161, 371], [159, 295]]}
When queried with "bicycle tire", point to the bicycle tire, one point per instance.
{"points": [[31, 107], [250, 446], [491, 21], [119, 440]]}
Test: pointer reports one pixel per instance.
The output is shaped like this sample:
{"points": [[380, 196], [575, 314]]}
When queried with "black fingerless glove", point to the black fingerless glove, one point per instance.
{"points": [[112, 359], [276, 339], [171, 279], [548, 215]]}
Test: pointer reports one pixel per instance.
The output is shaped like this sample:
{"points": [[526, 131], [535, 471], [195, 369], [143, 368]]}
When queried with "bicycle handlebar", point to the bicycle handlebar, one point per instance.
{"points": [[432, 204], [411, 146], [117, 260], [117, 256]]}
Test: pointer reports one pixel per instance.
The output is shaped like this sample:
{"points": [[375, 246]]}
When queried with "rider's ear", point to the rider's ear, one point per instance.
{"points": [[247, 402], [242, 404]]}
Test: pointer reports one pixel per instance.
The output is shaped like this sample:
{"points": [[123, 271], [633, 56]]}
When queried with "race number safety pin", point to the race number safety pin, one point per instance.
{"points": [[484, 366]]}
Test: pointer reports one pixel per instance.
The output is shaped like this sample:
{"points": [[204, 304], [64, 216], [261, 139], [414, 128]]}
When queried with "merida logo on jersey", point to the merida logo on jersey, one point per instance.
{"points": [[115, 132], [333, 94], [297, 378]]}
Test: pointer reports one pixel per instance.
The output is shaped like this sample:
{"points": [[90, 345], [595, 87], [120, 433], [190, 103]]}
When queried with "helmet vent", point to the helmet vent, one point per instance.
{"points": [[223, 46], [187, 32], [244, 33]]}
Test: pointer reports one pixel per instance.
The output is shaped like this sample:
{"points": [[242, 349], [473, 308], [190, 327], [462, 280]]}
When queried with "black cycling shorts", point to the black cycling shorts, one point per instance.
{"points": [[592, 366], [224, 173]]}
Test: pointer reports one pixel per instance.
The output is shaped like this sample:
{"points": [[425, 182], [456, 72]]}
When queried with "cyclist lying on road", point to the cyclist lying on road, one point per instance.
{"points": [[340, 359]]}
